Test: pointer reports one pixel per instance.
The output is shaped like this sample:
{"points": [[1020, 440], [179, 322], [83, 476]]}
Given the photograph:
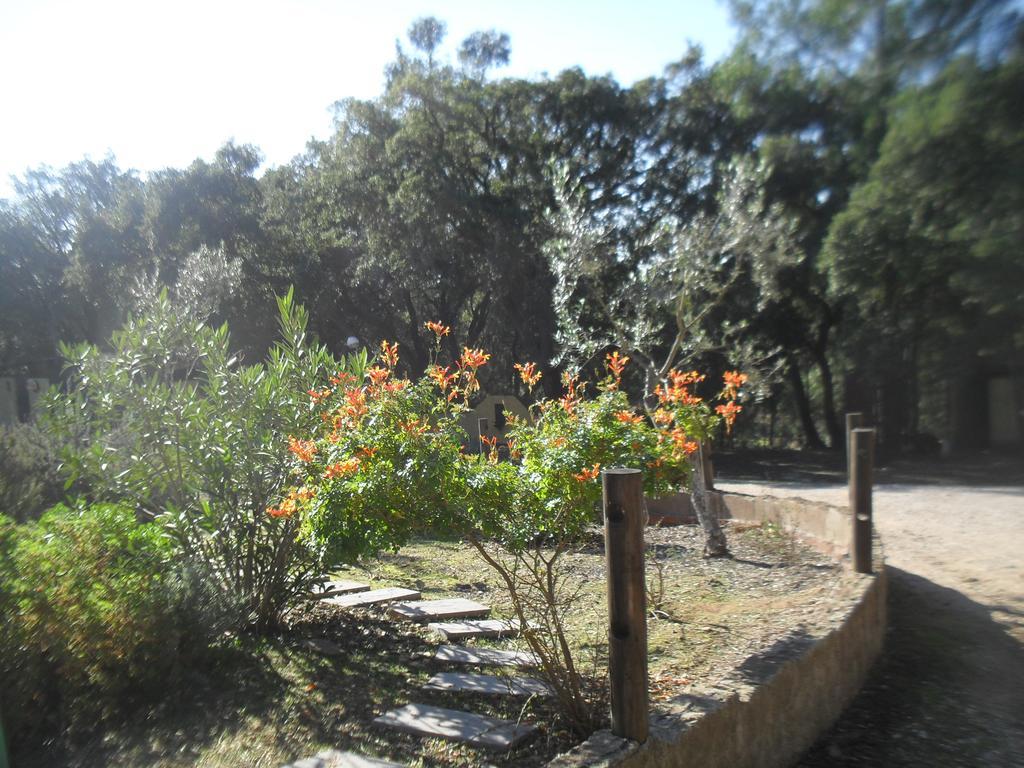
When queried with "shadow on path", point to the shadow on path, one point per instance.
{"points": [[798, 468], [948, 690]]}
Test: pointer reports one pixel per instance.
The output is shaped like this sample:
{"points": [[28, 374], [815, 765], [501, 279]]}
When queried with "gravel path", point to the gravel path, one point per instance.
{"points": [[949, 691]]}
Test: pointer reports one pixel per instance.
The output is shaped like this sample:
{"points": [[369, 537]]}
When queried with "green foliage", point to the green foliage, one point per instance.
{"points": [[170, 422], [98, 615]]}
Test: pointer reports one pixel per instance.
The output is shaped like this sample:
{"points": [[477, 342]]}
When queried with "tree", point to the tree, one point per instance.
{"points": [[926, 250], [427, 203], [664, 301]]}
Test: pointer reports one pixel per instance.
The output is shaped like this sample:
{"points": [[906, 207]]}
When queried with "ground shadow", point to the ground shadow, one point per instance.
{"points": [[798, 468], [948, 690], [271, 678]]}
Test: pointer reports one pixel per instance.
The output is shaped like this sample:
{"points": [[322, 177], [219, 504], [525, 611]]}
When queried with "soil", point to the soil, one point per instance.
{"points": [[949, 689]]}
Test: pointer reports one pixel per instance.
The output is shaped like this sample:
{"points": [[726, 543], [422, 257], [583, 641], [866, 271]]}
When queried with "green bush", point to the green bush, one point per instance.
{"points": [[96, 616], [29, 479], [171, 423]]}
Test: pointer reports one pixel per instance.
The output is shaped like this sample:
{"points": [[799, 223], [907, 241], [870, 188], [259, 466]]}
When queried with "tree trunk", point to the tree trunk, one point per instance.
{"points": [[836, 433], [803, 406], [715, 544]]}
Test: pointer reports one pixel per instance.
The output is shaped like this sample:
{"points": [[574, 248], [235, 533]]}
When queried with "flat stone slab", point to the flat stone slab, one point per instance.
{"points": [[373, 597], [428, 610], [435, 722], [319, 645], [461, 630], [332, 758], [492, 657], [491, 685], [339, 587]]}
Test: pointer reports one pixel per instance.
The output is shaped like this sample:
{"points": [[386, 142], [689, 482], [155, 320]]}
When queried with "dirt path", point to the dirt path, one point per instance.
{"points": [[949, 690]]}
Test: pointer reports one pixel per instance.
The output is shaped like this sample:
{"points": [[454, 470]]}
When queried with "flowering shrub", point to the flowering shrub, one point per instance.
{"points": [[389, 459]]}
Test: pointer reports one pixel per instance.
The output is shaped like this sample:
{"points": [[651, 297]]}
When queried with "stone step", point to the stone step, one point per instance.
{"points": [[489, 657], [373, 597], [339, 587], [429, 610], [492, 685], [462, 630], [436, 722], [332, 758], [322, 646]]}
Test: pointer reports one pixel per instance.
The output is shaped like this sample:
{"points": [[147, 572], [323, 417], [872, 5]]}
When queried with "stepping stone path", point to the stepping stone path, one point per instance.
{"points": [[463, 630], [426, 610], [335, 759], [427, 721], [452, 619], [332, 588], [488, 657], [373, 597], [492, 685]]}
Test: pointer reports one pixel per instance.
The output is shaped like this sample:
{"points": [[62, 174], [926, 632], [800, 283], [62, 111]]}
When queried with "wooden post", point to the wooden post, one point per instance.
{"points": [[481, 430], [627, 609], [862, 458], [853, 421]]}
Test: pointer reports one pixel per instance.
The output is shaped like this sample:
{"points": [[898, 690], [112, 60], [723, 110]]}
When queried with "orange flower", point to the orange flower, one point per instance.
{"points": [[616, 364], [355, 403], [302, 494], [663, 417], [490, 442], [587, 474], [390, 353], [317, 395], [342, 468], [441, 376], [558, 442], [678, 388], [681, 442], [304, 449], [290, 505], [628, 417], [573, 393], [733, 381], [528, 373], [438, 329], [728, 412], [368, 452], [342, 378], [414, 427], [473, 358], [378, 375], [513, 450]]}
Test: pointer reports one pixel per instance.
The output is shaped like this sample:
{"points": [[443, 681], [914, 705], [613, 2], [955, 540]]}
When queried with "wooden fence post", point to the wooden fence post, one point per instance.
{"points": [[481, 431], [862, 458], [853, 421], [627, 609]]}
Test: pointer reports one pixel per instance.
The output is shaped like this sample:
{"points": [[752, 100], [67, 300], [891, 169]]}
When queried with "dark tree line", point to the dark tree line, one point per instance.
{"points": [[888, 143]]}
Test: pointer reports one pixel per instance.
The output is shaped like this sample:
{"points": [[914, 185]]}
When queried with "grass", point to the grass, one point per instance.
{"points": [[265, 701]]}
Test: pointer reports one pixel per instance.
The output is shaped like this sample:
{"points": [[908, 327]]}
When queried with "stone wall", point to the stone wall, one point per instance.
{"points": [[775, 705]]}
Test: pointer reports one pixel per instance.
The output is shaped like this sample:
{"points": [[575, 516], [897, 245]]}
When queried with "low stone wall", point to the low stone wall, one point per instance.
{"points": [[776, 704]]}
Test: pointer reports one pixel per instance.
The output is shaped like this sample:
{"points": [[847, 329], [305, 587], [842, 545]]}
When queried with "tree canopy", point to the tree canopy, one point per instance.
{"points": [[835, 206]]}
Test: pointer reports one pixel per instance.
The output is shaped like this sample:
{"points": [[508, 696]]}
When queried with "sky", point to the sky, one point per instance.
{"points": [[160, 83]]}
